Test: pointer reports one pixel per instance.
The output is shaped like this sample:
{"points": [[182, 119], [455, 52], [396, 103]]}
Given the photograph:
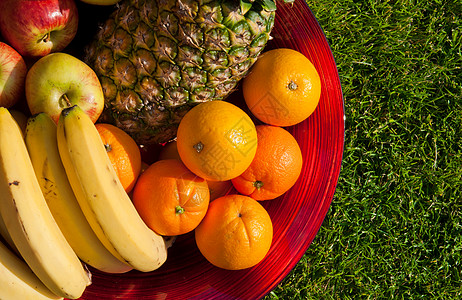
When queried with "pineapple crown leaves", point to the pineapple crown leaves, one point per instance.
{"points": [[268, 5]]}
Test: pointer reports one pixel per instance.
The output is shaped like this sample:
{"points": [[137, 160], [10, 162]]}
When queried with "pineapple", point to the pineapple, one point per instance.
{"points": [[157, 58]]}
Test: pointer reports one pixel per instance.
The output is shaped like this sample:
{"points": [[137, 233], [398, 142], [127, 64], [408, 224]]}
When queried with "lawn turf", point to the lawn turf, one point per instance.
{"points": [[394, 230]]}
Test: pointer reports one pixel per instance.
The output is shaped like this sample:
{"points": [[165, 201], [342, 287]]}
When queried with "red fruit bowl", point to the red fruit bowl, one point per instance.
{"points": [[297, 215]]}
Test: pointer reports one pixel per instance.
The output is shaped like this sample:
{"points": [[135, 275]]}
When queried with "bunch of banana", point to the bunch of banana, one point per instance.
{"points": [[29, 221], [17, 281], [102, 198], [6, 236], [62, 207], [42, 144]]}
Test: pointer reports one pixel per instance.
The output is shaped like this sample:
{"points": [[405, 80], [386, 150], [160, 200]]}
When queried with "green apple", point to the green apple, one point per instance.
{"points": [[101, 2], [59, 80]]}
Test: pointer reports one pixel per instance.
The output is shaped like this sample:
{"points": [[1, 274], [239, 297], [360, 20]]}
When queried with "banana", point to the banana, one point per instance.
{"points": [[41, 141], [29, 221], [17, 281], [103, 200], [6, 236]]}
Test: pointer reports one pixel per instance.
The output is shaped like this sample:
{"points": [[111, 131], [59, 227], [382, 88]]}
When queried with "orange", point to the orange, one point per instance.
{"points": [[236, 232], [216, 140], [123, 153], [276, 166], [283, 87], [171, 199]]}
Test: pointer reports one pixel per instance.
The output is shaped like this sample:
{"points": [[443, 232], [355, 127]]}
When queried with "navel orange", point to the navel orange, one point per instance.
{"points": [[171, 199], [283, 87], [236, 233], [275, 167], [216, 140]]}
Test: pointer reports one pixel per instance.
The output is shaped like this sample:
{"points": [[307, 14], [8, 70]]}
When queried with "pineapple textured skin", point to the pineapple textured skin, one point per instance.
{"points": [[156, 59]]}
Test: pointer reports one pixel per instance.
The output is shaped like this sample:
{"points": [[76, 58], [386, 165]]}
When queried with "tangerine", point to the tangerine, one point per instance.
{"points": [[283, 87], [216, 140], [275, 167], [123, 152], [171, 199], [236, 233]]}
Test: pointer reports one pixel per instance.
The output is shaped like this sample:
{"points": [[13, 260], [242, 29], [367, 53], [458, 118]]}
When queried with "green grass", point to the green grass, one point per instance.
{"points": [[394, 230]]}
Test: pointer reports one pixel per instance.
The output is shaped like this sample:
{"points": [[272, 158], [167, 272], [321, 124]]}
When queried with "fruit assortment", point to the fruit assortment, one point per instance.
{"points": [[75, 193]]}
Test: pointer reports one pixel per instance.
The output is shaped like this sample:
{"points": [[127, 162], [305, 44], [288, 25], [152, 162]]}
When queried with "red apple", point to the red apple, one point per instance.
{"points": [[60, 80], [38, 27], [12, 75]]}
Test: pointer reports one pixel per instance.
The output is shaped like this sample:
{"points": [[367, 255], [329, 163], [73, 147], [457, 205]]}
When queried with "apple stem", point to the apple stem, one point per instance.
{"points": [[64, 101], [46, 37]]}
